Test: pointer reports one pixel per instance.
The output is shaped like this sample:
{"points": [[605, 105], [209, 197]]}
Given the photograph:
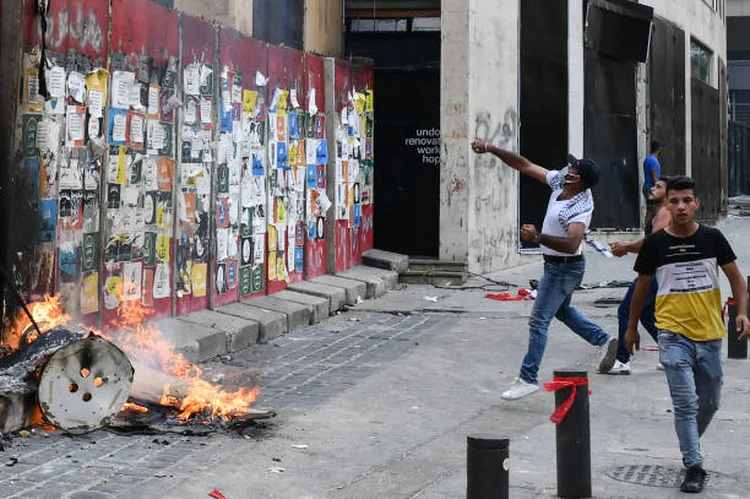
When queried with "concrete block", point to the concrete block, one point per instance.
{"points": [[297, 314], [336, 296], [386, 260], [271, 324], [378, 281], [319, 307], [354, 289], [18, 405], [195, 341], [240, 333]]}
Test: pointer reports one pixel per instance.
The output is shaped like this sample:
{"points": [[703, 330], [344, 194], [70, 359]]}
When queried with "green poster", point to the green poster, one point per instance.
{"points": [[246, 281], [258, 278], [90, 251], [149, 249]]}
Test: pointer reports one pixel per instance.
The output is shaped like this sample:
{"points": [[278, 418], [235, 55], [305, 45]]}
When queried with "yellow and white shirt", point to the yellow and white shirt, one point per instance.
{"points": [[687, 272]]}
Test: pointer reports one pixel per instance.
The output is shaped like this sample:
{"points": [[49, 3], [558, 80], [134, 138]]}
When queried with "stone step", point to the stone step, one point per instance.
{"points": [[378, 281], [297, 315], [318, 307], [425, 264], [271, 324], [433, 277], [335, 296], [356, 291], [197, 342], [241, 333], [385, 260]]}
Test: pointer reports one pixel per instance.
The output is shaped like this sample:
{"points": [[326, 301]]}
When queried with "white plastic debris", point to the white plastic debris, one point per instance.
{"points": [[275, 470], [299, 446], [433, 299]]}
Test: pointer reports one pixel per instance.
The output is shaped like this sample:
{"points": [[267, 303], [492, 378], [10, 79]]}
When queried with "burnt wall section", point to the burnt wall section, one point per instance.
{"points": [[16, 205], [544, 98], [666, 74]]}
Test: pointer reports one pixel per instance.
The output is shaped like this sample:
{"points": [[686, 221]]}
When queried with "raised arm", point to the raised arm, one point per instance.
{"points": [[739, 292], [513, 160]]}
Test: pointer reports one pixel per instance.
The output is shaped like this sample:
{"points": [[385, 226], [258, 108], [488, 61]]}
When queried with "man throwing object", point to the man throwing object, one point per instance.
{"points": [[568, 216]]}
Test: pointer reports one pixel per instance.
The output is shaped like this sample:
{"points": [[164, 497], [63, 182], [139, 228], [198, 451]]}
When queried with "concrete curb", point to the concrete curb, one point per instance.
{"points": [[271, 324], [336, 296], [319, 307], [297, 315], [378, 281], [356, 291]]}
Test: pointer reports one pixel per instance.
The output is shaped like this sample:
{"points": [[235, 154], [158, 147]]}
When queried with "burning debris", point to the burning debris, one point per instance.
{"points": [[126, 375]]}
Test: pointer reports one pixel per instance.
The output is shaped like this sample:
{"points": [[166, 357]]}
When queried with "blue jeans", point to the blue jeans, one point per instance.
{"points": [[648, 318], [694, 375], [554, 292]]}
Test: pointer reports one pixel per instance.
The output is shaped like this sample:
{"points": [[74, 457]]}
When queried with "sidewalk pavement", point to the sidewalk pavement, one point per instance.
{"points": [[377, 403]]}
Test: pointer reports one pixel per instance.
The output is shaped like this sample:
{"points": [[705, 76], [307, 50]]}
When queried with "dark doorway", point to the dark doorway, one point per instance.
{"points": [[617, 37], [544, 98], [706, 148], [407, 137], [666, 77], [407, 148]]}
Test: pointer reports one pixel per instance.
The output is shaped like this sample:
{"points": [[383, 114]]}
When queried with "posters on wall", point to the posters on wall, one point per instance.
{"points": [[354, 157], [63, 147], [194, 180], [254, 166], [139, 178]]}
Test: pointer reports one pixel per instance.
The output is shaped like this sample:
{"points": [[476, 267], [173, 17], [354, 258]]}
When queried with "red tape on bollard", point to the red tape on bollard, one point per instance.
{"points": [[729, 303], [560, 383]]}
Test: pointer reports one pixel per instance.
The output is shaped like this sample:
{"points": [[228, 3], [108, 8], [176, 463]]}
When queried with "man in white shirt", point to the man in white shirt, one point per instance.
{"points": [[561, 239]]}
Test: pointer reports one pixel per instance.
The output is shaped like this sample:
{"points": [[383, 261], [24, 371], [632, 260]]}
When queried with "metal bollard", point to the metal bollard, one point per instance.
{"points": [[573, 440], [487, 465], [736, 349]]}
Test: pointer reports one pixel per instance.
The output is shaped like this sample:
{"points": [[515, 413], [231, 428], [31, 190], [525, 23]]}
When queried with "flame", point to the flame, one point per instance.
{"points": [[47, 313], [130, 406], [145, 346]]}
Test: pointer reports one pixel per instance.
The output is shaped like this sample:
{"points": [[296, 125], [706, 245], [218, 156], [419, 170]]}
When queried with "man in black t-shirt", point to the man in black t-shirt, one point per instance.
{"points": [[685, 258]]}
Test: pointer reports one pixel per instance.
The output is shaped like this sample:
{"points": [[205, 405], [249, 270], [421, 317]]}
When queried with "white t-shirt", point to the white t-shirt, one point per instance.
{"points": [[552, 226]]}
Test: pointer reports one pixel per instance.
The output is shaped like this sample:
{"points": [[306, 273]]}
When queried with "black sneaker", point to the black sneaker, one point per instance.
{"points": [[695, 478]]}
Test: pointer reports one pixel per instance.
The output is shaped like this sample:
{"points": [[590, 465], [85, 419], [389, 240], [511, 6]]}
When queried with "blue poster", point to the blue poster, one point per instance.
{"points": [[226, 119], [293, 126], [117, 126], [231, 273], [322, 152], [312, 230], [258, 170], [47, 219], [312, 176], [299, 257], [357, 214], [281, 156], [68, 260]]}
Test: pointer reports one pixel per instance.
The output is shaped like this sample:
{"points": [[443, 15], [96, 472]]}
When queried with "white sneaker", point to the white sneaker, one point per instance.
{"points": [[620, 368], [608, 355], [519, 389], [659, 366]]}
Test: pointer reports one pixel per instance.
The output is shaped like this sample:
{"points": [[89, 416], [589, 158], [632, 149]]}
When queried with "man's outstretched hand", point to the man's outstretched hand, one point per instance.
{"points": [[619, 249], [743, 327], [479, 146], [632, 339]]}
